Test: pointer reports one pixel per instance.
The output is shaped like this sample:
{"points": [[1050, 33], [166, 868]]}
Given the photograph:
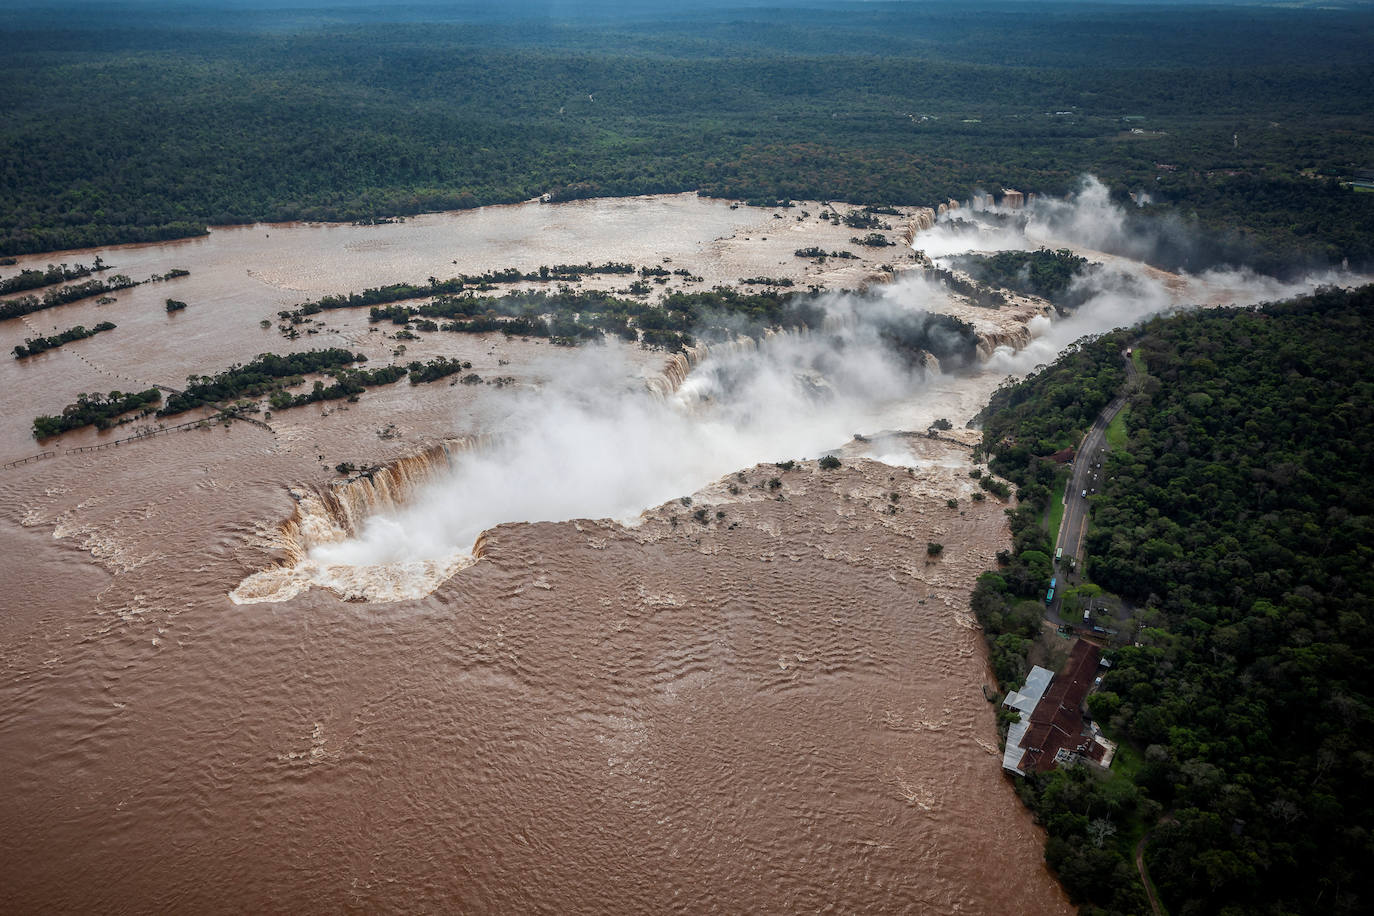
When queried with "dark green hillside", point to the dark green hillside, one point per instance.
{"points": [[1240, 516], [1042, 273], [208, 117]]}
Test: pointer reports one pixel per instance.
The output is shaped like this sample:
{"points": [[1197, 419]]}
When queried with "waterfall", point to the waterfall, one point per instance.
{"points": [[337, 512], [675, 371], [681, 364], [333, 512], [990, 339], [922, 218]]}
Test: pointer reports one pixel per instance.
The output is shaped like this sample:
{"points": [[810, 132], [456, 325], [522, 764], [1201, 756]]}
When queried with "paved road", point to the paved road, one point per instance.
{"points": [[1087, 468]]}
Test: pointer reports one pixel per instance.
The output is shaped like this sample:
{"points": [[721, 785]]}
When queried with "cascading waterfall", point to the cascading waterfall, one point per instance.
{"points": [[317, 545], [676, 369], [680, 365], [922, 218], [333, 513], [990, 340]]}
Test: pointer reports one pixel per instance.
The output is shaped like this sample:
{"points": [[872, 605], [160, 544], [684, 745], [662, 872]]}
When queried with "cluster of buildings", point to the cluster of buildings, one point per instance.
{"points": [[1053, 730]]}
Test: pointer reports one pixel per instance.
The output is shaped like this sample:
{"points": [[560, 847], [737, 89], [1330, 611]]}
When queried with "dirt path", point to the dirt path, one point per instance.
{"points": [[1145, 876]]}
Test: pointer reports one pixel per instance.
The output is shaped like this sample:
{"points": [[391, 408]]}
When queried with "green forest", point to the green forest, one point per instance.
{"points": [[1042, 273], [267, 373], [1236, 518], [1239, 518], [36, 345], [569, 317], [116, 134], [99, 410]]}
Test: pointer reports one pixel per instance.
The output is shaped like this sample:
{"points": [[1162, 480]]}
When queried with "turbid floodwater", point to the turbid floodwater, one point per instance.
{"points": [[762, 694]]}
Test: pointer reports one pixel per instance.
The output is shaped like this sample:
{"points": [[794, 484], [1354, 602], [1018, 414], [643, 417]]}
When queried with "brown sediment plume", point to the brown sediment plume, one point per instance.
{"points": [[570, 713]]}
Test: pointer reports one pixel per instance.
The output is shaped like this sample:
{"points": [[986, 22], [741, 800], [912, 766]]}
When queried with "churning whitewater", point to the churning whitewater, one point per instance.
{"points": [[586, 446], [767, 700]]}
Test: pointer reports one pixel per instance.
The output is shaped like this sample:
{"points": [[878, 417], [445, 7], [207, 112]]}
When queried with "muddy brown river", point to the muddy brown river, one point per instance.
{"points": [[774, 707]]}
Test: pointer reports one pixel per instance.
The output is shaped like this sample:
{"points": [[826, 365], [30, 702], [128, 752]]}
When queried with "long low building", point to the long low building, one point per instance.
{"points": [[1052, 732], [1023, 701]]}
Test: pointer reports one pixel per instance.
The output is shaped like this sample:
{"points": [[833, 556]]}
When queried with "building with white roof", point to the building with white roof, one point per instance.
{"points": [[1023, 701]]}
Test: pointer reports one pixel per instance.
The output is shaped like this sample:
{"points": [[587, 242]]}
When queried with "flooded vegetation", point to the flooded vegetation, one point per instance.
{"points": [[416, 519], [667, 601], [629, 644]]}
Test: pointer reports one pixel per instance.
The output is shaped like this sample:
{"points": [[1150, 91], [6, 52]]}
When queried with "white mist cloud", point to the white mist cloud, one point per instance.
{"points": [[589, 446], [1121, 290], [1086, 218], [960, 232], [584, 447]]}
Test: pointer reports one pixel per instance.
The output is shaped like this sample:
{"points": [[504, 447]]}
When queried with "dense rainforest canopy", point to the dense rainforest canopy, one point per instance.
{"points": [[1044, 273], [1239, 516], [204, 116]]}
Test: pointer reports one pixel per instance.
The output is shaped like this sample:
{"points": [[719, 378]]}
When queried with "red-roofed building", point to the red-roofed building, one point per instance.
{"points": [[1056, 733]]}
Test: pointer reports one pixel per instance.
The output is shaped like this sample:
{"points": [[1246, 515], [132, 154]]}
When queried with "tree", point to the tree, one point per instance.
{"points": [[1101, 830]]}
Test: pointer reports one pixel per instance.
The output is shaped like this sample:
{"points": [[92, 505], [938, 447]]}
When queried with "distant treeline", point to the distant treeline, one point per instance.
{"points": [[268, 374], [213, 124], [29, 279]]}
